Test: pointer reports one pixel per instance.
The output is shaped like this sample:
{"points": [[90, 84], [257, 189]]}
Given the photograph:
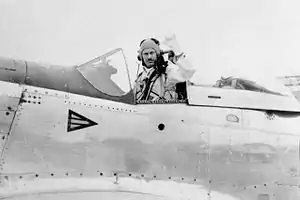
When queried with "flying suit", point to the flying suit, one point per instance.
{"points": [[153, 85]]}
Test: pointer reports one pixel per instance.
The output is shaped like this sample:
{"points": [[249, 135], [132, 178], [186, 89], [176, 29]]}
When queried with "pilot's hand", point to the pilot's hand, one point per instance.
{"points": [[172, 43]]}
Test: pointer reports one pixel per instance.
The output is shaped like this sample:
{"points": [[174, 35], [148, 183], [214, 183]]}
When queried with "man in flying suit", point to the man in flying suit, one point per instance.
{"points": [[159, 78]]}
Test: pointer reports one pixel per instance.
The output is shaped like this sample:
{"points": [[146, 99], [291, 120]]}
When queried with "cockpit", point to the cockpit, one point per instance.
{"points": [[109, 74]]}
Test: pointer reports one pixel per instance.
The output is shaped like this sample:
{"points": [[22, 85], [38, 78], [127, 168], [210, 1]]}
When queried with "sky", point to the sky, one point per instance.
{"points": [[232, 37]]}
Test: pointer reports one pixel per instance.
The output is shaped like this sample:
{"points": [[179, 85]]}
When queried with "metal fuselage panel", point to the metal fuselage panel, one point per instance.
{"points": [[223, 152], [10, 95]]}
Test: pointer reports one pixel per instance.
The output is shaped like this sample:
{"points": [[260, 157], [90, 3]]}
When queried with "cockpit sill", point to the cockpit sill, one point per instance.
{"points": [[163, 102]]}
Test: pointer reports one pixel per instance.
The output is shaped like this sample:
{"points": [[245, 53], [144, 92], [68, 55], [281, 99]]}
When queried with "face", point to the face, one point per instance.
{"points": [[149, 57]]}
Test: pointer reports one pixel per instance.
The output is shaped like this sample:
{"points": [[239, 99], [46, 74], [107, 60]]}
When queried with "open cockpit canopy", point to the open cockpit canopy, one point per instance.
{"points": [[261, 93], [269, 86]]}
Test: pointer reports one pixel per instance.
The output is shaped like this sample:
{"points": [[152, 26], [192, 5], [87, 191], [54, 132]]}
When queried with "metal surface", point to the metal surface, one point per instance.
{"points": [[244, 99], [145, 151]]}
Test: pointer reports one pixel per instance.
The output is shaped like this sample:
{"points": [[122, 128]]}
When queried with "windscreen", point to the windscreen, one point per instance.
{"points": [[108, 73]]}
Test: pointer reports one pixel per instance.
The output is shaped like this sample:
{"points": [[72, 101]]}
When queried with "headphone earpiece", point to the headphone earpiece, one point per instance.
{"points": [[161, 53], [139, 58]]}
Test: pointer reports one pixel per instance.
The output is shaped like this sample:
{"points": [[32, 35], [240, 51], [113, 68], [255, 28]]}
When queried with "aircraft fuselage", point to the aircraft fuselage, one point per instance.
{"points": [[172, 150]]}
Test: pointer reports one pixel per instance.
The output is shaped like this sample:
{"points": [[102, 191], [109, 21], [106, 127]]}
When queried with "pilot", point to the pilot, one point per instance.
{"points": [[159, 78]]}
